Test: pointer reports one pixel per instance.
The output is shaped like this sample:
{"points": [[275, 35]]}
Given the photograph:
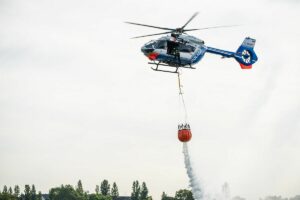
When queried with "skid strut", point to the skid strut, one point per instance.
{"points": [[167, 65]]}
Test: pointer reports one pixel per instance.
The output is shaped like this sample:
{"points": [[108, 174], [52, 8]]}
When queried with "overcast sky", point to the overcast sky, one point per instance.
{"points": [[78, 100]]}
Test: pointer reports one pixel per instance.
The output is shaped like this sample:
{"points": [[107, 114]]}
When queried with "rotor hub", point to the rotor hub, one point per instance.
{"points": [[179, 30]]}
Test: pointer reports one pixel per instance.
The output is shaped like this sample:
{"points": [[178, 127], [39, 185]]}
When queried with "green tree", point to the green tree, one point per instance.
{"points": [[135, 194], [10, 191], [66, 192], [97, 190], [94, 197], [16, 191], [80, 191], [99, 197], [6, 195], [27, 192], [22, 196], [105, 188], [184, 195], [5, 191], [164, 196], [39, 196], [114, 191], [33, 193], [144, 192], [102, 197], [79, 187]]}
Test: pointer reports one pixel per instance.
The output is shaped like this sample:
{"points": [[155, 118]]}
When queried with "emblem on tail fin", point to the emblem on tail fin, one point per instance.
{"points": [[245, 54]]}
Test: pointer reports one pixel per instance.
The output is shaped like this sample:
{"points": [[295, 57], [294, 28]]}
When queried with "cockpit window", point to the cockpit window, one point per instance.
{"points": [[150, 44], [161, 44]]}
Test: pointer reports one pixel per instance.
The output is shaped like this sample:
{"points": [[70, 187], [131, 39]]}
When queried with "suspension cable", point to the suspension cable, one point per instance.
{"points": [[181, 97]]}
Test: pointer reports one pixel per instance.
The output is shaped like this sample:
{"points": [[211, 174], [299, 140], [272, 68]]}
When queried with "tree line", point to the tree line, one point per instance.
{"points": [[67, 192], [104, 191], [15, 194]]}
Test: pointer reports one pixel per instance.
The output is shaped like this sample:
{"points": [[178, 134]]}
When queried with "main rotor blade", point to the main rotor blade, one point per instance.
{"points": [[194, 15], [212, 27], [163, 28], [152, 35]]}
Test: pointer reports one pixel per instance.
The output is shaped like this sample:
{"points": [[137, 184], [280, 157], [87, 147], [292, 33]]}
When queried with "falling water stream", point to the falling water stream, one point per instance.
{"points": [[193, 181]]}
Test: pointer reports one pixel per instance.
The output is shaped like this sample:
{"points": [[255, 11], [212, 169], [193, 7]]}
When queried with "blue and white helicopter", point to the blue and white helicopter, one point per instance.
{"points": [[182, 50]]}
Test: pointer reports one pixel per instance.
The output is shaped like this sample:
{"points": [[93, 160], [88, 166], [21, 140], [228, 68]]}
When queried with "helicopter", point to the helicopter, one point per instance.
{"points": [[180, 50]]}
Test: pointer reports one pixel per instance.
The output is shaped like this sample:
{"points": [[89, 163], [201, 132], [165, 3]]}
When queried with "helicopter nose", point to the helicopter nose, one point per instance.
{"points": [[147, 50], [152, 56]]}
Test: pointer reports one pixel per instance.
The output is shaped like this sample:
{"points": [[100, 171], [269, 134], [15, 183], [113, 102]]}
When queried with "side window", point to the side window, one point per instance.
{"points": [[186, 48]]}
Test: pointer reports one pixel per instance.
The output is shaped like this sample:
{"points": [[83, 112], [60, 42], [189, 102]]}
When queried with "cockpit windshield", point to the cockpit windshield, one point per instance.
{"points": [[150, 45], [161, 44]]}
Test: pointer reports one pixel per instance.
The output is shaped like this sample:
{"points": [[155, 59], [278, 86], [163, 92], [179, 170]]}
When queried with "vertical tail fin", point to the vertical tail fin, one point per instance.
{"points": [[245, 54]]}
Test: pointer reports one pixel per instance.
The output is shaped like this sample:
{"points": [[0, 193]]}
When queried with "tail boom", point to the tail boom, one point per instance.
{"points": [[221, 52], [245, 54]]}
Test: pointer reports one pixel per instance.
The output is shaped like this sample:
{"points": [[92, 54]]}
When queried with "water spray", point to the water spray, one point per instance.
{"points": [[185, 135], [193, 181]]}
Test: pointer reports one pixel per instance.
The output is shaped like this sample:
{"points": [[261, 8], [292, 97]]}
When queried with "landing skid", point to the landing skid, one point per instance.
{"points": [[167, 65]]}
